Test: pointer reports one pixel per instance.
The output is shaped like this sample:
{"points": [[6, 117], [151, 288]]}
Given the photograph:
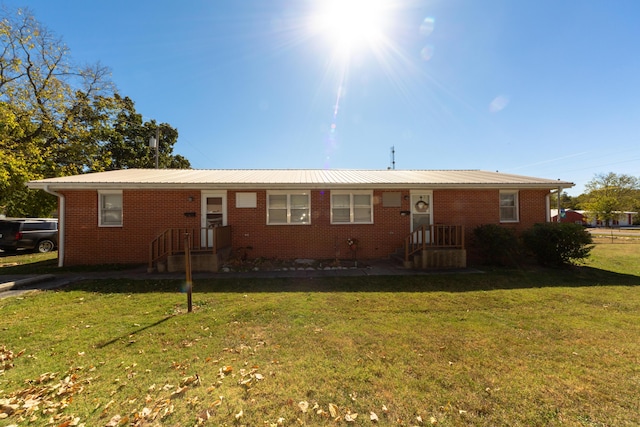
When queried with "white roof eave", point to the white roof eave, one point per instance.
{"points": [[306, 186]]}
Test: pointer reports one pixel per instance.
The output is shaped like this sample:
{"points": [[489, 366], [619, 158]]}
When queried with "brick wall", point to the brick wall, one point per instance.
{"points": [[320, 239], [147, 213]]}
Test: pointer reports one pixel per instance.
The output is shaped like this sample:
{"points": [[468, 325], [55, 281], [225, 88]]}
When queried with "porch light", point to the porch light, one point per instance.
{"points": [[154, 141]]}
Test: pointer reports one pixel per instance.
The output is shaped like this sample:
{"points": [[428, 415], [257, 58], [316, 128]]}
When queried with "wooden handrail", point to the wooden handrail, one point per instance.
{"points": [[434, 237], [203, 239]]}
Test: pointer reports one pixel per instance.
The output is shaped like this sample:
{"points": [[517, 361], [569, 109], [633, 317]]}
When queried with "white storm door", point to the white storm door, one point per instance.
{"points": [[214, 214], [421, 208]]}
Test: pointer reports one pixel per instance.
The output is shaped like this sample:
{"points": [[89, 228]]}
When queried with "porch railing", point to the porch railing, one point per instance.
{"points": [[172, 241], [434, 237]]}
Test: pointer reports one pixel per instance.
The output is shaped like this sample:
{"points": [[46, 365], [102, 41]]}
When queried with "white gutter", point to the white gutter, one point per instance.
{"points": [[61, 215]]}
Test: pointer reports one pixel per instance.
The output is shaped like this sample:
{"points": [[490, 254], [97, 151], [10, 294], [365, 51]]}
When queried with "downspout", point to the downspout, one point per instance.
{"points": [[547, 205], [61, 215]]}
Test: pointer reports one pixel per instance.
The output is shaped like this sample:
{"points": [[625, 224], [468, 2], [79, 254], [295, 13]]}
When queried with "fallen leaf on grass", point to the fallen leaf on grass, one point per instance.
{"points": [[304, 406], [239, 414], [191, 380], [373, 417], [114, 421], [202, 417], [350, 418], [179, 392], [333, 410]]}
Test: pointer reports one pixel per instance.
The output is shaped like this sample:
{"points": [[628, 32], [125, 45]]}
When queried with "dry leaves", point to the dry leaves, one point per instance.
{"points": [[6, 358], [44, 399]]}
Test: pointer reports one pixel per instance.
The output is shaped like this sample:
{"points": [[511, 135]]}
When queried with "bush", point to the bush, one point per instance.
{"points": [[497, 244], [557, 244]]}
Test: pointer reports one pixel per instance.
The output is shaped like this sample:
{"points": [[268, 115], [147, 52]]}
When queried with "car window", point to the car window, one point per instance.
{"points": [[8, 227], [37, 226]]}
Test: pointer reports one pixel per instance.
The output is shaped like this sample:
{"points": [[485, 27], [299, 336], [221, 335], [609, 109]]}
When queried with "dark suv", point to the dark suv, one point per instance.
{"points": [[39, 234]]}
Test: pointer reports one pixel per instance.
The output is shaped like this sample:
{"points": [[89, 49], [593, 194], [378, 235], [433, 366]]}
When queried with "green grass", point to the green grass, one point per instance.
{"points": [[25, 262], [506, 347]]}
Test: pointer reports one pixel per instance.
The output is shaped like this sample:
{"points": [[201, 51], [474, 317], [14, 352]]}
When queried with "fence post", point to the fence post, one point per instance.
{"points": [[187, 269]]}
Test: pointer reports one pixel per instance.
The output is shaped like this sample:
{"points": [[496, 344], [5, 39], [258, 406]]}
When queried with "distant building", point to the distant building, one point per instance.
{"points": [[623, 219]]}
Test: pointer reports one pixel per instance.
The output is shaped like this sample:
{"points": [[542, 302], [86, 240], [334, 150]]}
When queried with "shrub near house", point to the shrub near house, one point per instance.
{"points": [[556, 244]]}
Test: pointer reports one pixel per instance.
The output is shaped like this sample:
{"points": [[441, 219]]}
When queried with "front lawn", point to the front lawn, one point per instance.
{"points": [[506, 347]]}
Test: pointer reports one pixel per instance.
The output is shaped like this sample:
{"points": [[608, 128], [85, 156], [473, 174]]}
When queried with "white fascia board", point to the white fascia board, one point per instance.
{"points": [[235, 186]]}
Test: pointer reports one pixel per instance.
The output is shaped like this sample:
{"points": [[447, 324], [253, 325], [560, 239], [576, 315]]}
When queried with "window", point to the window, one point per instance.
{"points": [[110, 209], [288, 208], [508, 206], [351, 208]]}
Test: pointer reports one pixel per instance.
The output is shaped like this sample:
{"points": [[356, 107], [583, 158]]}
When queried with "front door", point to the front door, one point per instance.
{"points": [[421, 208], [214, 214]]}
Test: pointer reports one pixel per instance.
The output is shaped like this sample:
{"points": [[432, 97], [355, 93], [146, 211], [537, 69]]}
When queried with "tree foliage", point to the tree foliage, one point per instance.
{"points": [[609, 194], [59, 119]]}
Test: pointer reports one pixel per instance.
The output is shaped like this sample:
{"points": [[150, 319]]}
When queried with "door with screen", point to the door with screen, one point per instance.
{"points": [[214, 214], [421, 215]]}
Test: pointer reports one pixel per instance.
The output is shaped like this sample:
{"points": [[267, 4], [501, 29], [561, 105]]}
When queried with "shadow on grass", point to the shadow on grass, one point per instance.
{"points": [[436, 282], [50, 266], [130, 335]]}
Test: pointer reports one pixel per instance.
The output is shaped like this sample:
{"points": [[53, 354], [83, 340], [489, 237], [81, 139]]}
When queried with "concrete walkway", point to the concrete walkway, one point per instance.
{"points": [[13, 285]]}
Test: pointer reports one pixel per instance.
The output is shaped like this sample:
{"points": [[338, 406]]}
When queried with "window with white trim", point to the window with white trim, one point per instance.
{"points": [[509, 206], [288, 208], [110, 208], [351, 207]]}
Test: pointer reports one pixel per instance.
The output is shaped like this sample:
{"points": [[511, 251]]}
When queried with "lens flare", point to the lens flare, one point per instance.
{"points": [[427, 53], [427, 26], [498, 104]]}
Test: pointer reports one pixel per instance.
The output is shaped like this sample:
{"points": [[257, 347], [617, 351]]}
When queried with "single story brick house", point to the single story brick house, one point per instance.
{"points": [[141, 215]]}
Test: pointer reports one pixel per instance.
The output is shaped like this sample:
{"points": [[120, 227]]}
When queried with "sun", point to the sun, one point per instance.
{"points": [[351, 24]]}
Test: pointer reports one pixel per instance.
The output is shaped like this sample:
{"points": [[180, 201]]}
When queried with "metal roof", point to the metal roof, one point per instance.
{"points": [[294, 178]]}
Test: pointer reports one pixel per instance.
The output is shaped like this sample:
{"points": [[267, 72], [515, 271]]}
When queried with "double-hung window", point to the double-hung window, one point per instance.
{"points": [[288, 208], [509, 206], [351, 207], [110, 208]]}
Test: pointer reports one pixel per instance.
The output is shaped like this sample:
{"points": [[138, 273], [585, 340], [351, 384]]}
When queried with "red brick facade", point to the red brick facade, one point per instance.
{"points": [[147, 213]]}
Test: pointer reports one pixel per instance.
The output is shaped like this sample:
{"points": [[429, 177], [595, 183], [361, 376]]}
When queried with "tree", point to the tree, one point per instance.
{"points": [[609, 194], [566, 201], [59, 119], [128, 145], [38, 106]]}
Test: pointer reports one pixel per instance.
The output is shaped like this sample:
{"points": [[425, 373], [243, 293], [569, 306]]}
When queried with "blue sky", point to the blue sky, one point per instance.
{"points": [[543, 88]]}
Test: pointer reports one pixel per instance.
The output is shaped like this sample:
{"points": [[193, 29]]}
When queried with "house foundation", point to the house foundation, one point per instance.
{"points": [[435, 259]]}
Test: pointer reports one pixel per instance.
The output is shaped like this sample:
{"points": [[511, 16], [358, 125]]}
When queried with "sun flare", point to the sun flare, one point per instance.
{"points": [[349, 24]]}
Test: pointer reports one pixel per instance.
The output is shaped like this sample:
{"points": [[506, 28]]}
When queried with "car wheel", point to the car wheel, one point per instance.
{"points": [[45, 246]]}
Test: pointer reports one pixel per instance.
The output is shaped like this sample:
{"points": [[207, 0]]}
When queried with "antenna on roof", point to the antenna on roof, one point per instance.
{"points": [[393, 158]]}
